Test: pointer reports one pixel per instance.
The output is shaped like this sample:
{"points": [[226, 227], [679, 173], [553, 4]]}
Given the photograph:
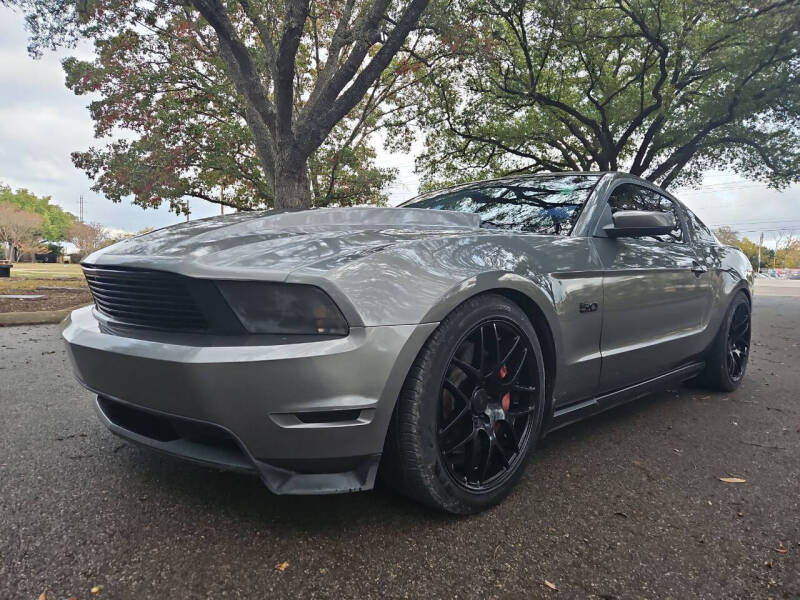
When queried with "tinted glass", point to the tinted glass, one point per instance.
{"points": [[633, 197], [548, 204], [700, 232]]}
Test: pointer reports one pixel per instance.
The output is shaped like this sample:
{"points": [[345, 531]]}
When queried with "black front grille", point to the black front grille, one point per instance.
{"points": [[144, 298]]}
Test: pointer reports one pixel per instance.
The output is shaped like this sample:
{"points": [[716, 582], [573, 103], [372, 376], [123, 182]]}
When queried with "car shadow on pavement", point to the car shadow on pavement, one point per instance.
{"points": [[210, 491]]}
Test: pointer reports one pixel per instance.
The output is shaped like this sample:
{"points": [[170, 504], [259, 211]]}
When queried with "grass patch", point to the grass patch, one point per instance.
{"points": [[25, 285], [46, 271], [26, 277]]}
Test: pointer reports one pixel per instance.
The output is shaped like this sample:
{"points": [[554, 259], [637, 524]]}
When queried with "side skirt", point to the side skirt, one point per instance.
{"points": [[585, 408]]}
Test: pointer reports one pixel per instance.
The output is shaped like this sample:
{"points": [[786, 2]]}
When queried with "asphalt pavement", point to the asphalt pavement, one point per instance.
{"points": [[628, 504], [778, 287]]}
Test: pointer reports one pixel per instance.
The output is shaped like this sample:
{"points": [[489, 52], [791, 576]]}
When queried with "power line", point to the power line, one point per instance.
{"points": [[787, 222], [723, 186], [739, 202], [783, 230]]}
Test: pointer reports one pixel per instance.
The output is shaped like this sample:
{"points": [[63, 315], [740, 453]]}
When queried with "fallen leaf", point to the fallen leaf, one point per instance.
{"points": [[732, 480], [96, 589], [552, 586], [43, 596], [780, 549], [619, 513], [282, 566]]}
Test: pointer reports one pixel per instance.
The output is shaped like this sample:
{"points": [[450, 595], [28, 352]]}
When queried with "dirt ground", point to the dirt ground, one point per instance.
{"points": [[55, 299]]}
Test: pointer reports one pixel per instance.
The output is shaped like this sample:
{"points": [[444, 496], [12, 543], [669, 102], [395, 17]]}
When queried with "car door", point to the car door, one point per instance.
{"points": [[654, 294], [709, 254]]}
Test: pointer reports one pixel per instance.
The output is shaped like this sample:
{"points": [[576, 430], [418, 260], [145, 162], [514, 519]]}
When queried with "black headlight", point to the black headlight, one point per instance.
{"points": [[283, 308]]}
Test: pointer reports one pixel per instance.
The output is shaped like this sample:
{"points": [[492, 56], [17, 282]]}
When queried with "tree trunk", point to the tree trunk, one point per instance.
{"points": [[292, 188]]}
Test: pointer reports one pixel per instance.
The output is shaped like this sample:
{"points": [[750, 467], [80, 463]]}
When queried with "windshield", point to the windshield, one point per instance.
{"points": [[548, 204]]}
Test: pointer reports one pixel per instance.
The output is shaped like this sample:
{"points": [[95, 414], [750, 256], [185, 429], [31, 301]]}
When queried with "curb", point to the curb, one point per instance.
{"points": [[40, 317]]}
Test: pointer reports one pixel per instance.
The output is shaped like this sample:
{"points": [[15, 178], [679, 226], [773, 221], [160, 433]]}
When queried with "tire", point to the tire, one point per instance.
{"points": [[422, 457], [719, 374]]}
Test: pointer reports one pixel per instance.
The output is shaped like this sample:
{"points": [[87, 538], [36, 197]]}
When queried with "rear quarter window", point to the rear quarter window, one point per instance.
{"points": [[698, 229]]}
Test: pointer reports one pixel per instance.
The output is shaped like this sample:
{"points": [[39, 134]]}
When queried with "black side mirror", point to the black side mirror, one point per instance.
{"points": [[640, 223]]}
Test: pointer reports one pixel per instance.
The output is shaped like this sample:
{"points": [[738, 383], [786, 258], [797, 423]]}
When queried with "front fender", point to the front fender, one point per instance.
{"points": [[539, 291], [422, 282]]}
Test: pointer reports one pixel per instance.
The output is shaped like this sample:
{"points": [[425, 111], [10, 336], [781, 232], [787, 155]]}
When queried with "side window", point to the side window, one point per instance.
{"points": [[700, 232], [633, 197]]}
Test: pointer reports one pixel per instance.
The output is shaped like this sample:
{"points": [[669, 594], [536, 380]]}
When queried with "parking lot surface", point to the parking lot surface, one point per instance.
{"points": [[628, 504]]}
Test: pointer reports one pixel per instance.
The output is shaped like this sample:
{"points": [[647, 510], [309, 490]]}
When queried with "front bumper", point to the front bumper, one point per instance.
{"points": [[308, 417]]}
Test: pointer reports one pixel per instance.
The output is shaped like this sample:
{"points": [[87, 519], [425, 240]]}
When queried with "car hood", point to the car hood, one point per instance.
{"points": [[272, 244]]}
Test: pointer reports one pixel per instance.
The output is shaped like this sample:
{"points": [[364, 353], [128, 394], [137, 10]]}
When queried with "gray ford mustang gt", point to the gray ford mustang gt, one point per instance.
{"points": [[435, 342]]}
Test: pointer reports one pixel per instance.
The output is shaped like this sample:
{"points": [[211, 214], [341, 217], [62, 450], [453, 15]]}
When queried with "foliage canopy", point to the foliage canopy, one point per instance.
{"points": [[661, 88], [20, 229], [247, 103], [785, 253], [54, 222]]}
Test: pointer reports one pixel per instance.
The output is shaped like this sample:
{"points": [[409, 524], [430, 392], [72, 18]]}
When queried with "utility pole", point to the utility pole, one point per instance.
{"points": [[221, 198], [80, 211], [775, 256], [760, 243]]}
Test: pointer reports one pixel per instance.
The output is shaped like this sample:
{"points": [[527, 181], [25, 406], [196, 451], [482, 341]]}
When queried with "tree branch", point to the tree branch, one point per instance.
{"points": [[260, 113], [318, 126], [296, 13]]}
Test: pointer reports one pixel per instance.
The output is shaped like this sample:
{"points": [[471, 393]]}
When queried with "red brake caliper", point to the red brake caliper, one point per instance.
{"points": [[506, 401]]}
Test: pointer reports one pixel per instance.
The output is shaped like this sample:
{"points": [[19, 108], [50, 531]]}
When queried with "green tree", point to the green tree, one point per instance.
{"points": [[727, 236], [662, 89], [787, 254], [750, 248], [231, 101], [168, 88], [55, 222]]}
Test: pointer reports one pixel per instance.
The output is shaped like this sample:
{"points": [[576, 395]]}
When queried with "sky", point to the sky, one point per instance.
{"points": [[42, 122]]}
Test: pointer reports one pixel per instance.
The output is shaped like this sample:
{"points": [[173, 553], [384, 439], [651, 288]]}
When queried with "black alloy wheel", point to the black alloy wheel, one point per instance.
{"points": [[726, 360], [486, 404], [471, 408], [738, 342]]}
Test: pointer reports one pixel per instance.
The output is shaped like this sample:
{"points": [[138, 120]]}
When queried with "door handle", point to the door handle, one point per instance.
{"points": [[698, 269]]}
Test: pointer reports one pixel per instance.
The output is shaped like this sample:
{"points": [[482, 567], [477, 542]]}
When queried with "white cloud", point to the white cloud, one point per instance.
{"points": [[42, 122], [746, 206], [17, 74]]}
